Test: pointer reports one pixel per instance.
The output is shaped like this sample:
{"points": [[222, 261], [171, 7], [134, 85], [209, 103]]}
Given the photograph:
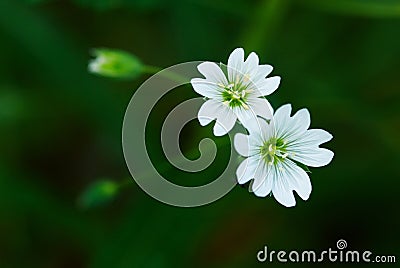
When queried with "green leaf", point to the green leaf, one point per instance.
{"points": [[99, 193]]}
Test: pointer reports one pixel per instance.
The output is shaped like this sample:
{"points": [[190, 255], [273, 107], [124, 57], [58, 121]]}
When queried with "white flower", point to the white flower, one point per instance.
{"points": [[272, 151], [237, 95]]}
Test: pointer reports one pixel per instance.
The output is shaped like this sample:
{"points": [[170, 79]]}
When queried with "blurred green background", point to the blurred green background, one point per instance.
{"points": [[60, 130]]}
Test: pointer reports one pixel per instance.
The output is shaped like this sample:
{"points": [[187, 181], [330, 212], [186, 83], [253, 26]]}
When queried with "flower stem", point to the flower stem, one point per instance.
{"points": [[149, 69]]}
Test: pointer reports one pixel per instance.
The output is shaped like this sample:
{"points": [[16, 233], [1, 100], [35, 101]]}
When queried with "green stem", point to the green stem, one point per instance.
{"points": [[149, 69]]}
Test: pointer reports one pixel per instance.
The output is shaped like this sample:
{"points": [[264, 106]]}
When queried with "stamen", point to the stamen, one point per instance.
{"points": [[273, 152], [235, 96], [230, 86]]}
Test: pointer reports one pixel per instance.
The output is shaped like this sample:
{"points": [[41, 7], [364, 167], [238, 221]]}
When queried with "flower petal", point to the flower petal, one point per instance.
{"points": [[301, 120], [313, 157], [267, 86], [205, 88], [315, 137], [212, 72], [226, 119], [263, 180], [298, 179], [247, 169], [264, 189], [247, 117], [296, 127], [262, 72], [235, 64], [281, 118], [242, 174], [305, 149], [282, 190], [209, 111], [241, 144], [252, 60], [251, 65], [260, 131], [261, 107]]}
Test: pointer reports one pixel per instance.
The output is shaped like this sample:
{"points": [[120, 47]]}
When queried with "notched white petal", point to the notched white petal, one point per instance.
{"points": [[236, 58], [281, 119], [267, 86], [302, 120], [214, 109], [226, 119], [298, 180], [307, 149], [261, 107], [263, 180], [241, 171], [222, 127], [247, 117], [241, 144], [264, 70], [283, 112], [314, 157], [317, 136], [283, 194], [259, 131], [251, 65], [212, 72], [264, 189], [205, 88], [208, 112], [235, 64], [246, 170]]}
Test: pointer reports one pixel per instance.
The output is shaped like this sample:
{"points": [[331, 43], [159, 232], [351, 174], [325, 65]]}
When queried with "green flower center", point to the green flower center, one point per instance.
{"points": [[235, 95], [274, 150]]}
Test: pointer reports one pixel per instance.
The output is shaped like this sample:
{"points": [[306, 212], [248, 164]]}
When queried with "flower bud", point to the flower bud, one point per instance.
{"points": [[98, 193], [115, 63]]}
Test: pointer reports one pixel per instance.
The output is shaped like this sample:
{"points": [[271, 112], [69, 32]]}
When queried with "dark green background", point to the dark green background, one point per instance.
{"points": [[60, 130]]}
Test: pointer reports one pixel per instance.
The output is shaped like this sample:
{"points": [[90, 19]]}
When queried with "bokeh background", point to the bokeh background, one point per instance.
{"points": [[66, 198]]}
